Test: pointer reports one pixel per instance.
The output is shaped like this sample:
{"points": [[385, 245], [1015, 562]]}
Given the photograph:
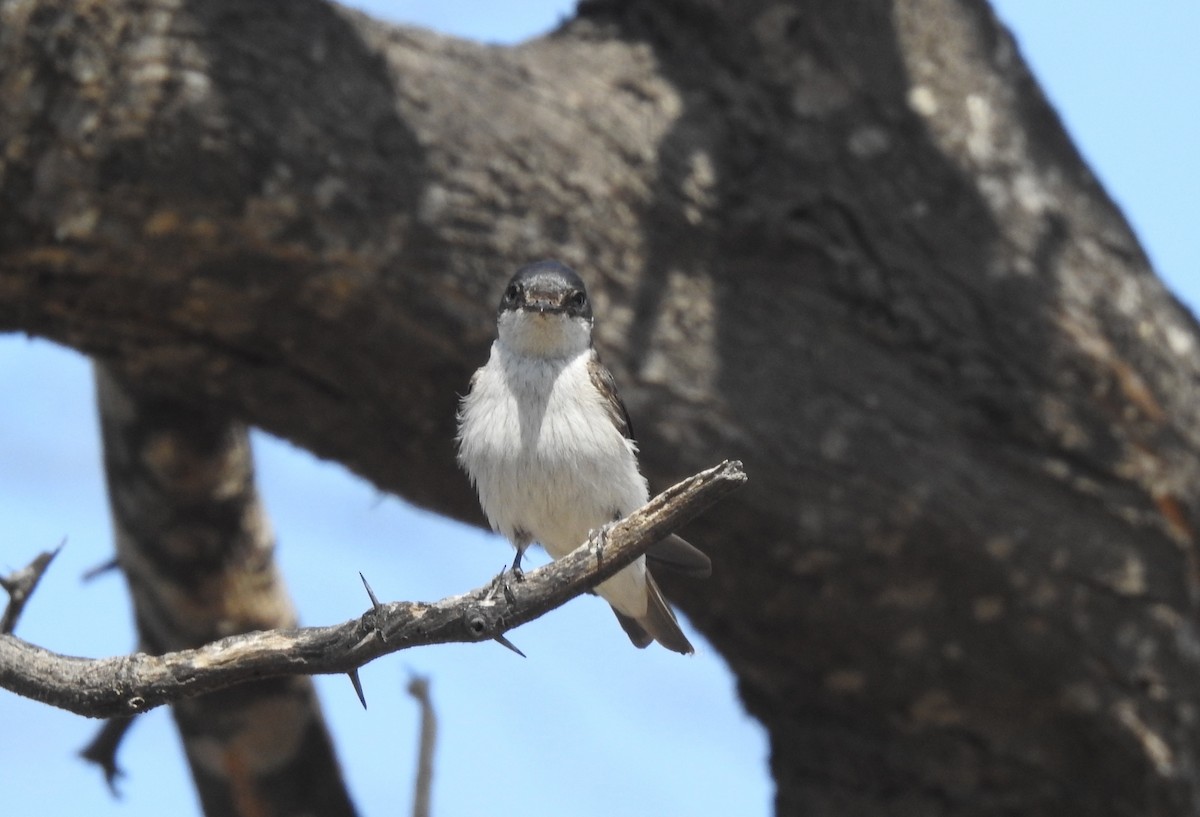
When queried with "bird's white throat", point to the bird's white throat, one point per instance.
{"points": [[544, 334]]}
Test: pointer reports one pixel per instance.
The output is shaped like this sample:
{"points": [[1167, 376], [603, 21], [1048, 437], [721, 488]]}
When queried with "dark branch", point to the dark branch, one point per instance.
{"points": [[124, 685], [102, 750]]}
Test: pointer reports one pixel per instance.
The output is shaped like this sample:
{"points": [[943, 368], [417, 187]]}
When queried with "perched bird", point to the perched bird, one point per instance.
{"points": [[548, 445]]}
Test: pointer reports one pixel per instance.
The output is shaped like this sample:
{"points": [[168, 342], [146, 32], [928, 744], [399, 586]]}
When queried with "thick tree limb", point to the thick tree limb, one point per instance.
{"points": [[848, 241], [125, 685]]}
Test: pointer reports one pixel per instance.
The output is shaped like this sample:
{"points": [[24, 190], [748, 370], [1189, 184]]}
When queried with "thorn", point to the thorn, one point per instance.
{"points": [[354, 679], [371, 593], [100, 569], [377, 608], [500, 583], [500, 639], [496, 582]]}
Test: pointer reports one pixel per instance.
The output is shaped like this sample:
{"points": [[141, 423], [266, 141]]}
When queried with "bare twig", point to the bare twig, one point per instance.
{"points": [[124, 685], [20, 585], [418, 687]]}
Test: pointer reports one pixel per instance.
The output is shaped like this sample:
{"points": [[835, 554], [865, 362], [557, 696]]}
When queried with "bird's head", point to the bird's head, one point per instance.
{"points": [[545, 312]]}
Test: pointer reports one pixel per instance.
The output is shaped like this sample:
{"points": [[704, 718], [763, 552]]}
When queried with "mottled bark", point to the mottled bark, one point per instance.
{"points": [[846, 242], [196, 548]]}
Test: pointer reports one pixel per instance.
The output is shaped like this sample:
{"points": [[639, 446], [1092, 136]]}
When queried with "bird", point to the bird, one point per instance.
{"points": [[548, 445]]}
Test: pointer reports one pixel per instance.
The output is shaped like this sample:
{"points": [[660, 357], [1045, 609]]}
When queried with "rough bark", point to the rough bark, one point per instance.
{"points": [[846, 242], [196, 548]]}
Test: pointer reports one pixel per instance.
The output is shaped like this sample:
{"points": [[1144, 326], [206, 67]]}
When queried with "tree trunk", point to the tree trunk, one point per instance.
{"points": [[197, 550], [845, 242]]}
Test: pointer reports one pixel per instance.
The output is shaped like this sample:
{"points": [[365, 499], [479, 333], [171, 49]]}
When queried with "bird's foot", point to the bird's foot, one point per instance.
{"points": [[600, 535], [517, 573]]}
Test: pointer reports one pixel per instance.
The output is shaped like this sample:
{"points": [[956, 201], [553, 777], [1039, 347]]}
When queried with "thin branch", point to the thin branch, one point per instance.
{"points": [[125, 685], [418, 687], [20, 585]]}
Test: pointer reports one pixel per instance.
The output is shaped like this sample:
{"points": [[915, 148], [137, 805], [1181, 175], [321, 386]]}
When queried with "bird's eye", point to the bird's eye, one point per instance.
{"points": [[577, 301], [512, 295]]}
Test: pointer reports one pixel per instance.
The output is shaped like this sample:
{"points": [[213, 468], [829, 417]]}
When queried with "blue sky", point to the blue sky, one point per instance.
{"points": [[514, 733]]}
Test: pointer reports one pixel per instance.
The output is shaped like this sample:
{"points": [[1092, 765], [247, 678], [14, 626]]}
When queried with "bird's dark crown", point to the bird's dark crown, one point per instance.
{"points": [[547, 286]]}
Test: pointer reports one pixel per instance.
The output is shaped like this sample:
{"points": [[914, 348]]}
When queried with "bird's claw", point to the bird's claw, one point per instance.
{"points": [[600, 535]]}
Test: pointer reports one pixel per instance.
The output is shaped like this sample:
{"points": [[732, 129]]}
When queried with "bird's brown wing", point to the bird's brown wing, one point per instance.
{"points": [[673, 553], [606, 384]]}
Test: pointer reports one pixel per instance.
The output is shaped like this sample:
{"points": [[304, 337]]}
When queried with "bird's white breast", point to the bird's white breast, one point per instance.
{"points": [[537, 441]]}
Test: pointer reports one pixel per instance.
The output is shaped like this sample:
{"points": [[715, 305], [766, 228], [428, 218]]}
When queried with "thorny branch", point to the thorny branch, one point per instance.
{"points": [[125, 685]]}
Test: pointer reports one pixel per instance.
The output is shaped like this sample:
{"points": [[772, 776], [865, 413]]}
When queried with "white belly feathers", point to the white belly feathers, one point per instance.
{"points": [[548, 463]]}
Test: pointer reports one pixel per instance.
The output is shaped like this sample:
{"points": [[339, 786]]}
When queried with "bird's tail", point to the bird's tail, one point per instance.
{"points": [[658, 623]]}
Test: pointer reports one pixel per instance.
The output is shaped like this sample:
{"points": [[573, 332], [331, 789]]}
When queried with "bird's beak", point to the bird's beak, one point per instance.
{"points": [[543, 302]]}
